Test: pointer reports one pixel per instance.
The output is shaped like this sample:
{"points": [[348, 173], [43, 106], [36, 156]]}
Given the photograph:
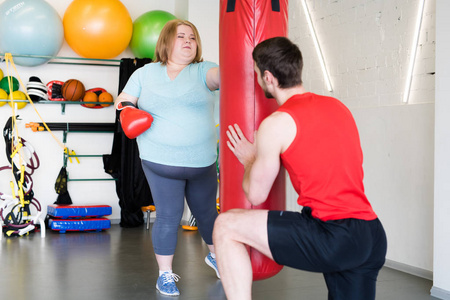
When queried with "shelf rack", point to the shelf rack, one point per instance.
{"points": [[62, 60], [62, 103], [68, 60], [68, 155]]}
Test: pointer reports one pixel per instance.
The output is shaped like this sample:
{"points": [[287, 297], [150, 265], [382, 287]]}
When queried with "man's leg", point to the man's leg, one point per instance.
{"points": [[233, 231], [359, 283]]}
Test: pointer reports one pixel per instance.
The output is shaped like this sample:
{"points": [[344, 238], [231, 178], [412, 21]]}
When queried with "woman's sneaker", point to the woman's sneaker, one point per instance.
{"points": [[166, 284], [210, 261]]}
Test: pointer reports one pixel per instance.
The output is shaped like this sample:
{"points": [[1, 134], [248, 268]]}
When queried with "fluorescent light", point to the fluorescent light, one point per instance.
{"points": [[317, 46], [412, 59]]}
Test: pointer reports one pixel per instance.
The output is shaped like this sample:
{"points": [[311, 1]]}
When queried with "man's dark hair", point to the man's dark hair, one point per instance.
{"points": [[282, 58]]}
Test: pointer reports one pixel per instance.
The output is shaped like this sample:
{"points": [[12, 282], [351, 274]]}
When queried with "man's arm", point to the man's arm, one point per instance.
{"points": [[261, 159]]}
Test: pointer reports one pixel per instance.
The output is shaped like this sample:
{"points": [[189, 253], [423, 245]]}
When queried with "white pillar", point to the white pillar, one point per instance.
{"points": [[441, 268]]}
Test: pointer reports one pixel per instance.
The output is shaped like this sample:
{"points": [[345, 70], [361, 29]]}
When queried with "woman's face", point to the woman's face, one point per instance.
{"points": [[184, 48]]}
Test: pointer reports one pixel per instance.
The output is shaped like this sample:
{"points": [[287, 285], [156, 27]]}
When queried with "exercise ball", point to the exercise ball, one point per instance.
{"points": [[4, 84], [30, 27], [105, 97], [73, 90], [19, 95], [97, 29], [146, 30], [90, 97], [3, 96]]}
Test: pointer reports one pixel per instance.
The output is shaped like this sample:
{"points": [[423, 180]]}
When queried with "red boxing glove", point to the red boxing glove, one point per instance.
{"points": [[134, 121]]}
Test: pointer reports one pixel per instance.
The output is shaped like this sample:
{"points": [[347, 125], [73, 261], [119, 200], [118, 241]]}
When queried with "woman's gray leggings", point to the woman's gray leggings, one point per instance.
{"points": [[169, 186]]}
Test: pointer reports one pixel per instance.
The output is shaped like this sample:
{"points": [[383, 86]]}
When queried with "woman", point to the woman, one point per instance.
{"points": [[178, 151]]}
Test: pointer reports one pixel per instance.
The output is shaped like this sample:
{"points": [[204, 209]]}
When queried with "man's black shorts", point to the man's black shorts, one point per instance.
{"points": [[349, 252]]}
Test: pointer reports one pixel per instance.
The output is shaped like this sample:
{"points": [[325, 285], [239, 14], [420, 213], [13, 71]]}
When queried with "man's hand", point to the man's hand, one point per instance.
{"points": [[244, 151]]}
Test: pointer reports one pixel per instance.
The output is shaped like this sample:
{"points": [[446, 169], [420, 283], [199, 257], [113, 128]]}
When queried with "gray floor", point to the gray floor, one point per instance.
{"points": [[119, 264]]}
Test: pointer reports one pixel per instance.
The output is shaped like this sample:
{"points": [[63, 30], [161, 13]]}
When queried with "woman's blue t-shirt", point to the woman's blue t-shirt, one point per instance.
{"points": [[183, 130]]}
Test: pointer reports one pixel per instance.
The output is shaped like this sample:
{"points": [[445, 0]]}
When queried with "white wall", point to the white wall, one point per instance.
{"points": [[441, 282], [50, 154], [366, 45]]}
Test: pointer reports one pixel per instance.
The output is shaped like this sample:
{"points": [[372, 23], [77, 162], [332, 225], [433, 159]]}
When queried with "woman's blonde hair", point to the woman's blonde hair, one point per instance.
{"points": [[167, 37]]}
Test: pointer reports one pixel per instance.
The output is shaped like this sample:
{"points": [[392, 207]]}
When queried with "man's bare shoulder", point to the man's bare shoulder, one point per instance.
{"points": [[277, 120], [280, 128]]}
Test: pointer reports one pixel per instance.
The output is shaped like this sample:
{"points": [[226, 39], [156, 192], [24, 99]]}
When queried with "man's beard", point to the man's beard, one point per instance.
{"points": [[268, 95]]}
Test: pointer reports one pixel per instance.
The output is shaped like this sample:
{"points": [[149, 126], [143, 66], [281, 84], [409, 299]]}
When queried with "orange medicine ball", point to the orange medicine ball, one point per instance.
{"points": [[105, 97], [90, 97]]}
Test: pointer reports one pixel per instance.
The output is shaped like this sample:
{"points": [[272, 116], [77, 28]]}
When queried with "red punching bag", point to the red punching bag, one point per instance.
{"points": [[243, 24]]}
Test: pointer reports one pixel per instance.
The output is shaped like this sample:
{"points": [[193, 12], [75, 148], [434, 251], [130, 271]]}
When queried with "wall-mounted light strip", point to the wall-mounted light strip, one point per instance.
{"points": [[317, 46], [412, 58]]}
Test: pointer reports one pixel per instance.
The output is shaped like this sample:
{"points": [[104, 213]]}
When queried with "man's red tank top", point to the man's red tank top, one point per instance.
{"points": [[324, 161]]}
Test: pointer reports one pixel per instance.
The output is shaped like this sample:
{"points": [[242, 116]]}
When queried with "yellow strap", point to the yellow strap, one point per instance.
{"points": [[13, 192], [76, 157], [9, 59], [22, 173], [67, 152], [21, 195], [15, 149]]}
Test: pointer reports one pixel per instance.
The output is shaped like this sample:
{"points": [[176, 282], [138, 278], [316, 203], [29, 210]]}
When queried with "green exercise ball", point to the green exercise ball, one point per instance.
{"points": [[146, 30], [4, 85]]}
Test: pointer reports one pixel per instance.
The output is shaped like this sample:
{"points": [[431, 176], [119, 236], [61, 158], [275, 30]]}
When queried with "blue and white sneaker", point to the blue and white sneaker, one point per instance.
{"points": [[210, 261], [166, 284]]}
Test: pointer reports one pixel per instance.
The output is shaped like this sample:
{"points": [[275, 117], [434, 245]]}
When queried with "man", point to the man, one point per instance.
{"points": [[316, 139]]}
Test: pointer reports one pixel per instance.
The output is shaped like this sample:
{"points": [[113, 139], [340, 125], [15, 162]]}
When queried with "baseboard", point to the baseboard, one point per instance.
{"points": [[117, 221], [409, 269], [152, 220], [440, 293]]}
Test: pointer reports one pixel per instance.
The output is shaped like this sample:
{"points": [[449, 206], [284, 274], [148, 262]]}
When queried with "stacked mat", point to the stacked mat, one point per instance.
{"points": [[64, 218]]}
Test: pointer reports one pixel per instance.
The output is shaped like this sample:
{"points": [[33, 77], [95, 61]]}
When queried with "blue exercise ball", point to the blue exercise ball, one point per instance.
{"points": [[30, 27]]}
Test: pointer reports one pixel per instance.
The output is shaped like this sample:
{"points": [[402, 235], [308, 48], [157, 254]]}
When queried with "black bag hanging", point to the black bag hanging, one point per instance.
{"points": [[61, 188], [124, 163]]}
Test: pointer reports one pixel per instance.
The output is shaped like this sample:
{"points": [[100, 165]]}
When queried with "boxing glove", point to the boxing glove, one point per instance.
{"points": [[134, 121]]}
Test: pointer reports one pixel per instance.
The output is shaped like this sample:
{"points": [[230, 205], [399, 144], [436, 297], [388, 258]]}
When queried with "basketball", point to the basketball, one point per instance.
{"points": [[73, 90], [105, 97], [90, 97]]}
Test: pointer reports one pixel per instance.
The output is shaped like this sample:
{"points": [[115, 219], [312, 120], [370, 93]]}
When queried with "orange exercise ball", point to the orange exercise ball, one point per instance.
{"points": [[97, 29]]}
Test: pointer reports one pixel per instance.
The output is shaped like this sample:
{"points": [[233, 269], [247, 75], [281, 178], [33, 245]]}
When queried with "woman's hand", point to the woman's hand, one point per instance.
{"points": [[124, 97]]}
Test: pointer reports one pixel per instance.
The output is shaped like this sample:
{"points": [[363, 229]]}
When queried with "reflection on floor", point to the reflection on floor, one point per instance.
{"points": [[119, 264]]}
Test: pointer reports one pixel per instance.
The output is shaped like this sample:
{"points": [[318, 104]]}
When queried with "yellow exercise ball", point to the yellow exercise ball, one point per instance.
{"points": [[19, 95], [3, 95], [1, 74], [97, 29]]}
